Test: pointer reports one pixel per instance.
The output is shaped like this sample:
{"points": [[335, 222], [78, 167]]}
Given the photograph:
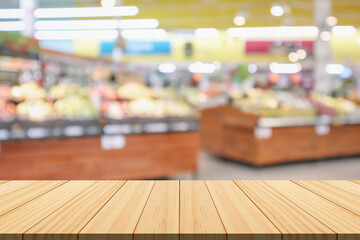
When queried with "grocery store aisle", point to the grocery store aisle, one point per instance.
{"points": [[214, 168]]}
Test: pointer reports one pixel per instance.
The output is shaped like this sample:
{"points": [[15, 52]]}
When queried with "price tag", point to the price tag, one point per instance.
{"points": [[92, 130], [324, 120], [263, 133], [156, 127], [117, 129], [137, 128], [322, 130], [180, 126], [4, 134], [74, 131], [37, 132], [113, 142]]}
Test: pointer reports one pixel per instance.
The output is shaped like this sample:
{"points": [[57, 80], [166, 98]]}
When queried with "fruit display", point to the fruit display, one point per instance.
{"points": [[35, 110], [269, 103], [105, 92], [75, 107], [333, 106], [27, 91], [66, 90], [7, 111], [5, 92], [134, 90]]}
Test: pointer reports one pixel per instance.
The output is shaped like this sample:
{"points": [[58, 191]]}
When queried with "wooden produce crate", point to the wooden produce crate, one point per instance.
{"points": [[239, 137], [136, 156]]}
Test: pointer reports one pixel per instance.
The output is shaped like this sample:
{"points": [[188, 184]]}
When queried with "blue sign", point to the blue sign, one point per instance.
{"points": [[148, 47]]}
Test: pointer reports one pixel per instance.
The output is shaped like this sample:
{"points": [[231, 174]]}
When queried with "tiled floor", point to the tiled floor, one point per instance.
{"points": [[214, 168]]}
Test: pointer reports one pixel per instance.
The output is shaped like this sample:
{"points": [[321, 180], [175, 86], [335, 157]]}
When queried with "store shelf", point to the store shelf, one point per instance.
{"points": [[187, 209]]}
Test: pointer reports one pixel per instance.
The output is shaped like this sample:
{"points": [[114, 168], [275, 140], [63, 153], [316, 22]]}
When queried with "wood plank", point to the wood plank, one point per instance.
{"points": [[118, 218], [342, 198], [15, 223], [348, 186], [241, 218], [13, 186], [164, 204], [199, 218], [355, 181], [66, 222], [23, 195], [343, 222], [3, 181], [293, 222]]}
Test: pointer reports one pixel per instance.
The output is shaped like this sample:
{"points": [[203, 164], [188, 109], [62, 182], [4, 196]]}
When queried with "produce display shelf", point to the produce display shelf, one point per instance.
{"points": [[228, 132], [27, 130], [267, 210]]}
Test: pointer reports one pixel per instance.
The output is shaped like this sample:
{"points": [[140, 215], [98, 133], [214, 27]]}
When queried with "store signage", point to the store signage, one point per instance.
{"points": [[148, 47], [4, 134], [263, 133], [274, 47], [180, 126], [156, 127], [74, 131], [112, 142], [322, 130], [117, 129], [37, 132]]}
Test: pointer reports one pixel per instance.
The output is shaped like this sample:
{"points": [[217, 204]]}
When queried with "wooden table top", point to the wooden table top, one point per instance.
{"points": [[190, 210]]}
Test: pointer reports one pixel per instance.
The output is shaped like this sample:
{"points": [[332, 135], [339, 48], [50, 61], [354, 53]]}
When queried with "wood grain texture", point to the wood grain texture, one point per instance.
{"points": [[23, 195], [355, 181], [340, 197], [119, 217], [343, 222], [292, 221], [241, 218], [185, 210], [3, 181], [67, 221], [13, 186], [26, 216], [348, 186], [160, 218], [199, 218]]}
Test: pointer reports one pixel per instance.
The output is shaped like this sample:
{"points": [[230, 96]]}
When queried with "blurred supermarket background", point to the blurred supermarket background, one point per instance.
{"points": [[199, 89]]}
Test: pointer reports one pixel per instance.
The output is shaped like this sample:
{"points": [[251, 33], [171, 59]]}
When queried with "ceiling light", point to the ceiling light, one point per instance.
{"points": [[301, 54], [199, 67], [86, 12], [76, 24], [206, 32], [167, 68], [217, 65], [138, 23], [285, 68], [12, 26], [325, 36], [77, 34], [95, 24], [334, 68], [293, 57], [108, 3], [262, 32], [252, 68], [277, 10], [239, 20], [343, 30], [331, 21], [144, 34], [12, 13]]}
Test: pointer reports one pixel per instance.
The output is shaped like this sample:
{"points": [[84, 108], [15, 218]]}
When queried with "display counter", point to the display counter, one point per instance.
{"points": [[231, 133], [132, 149], [268, 210]]}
